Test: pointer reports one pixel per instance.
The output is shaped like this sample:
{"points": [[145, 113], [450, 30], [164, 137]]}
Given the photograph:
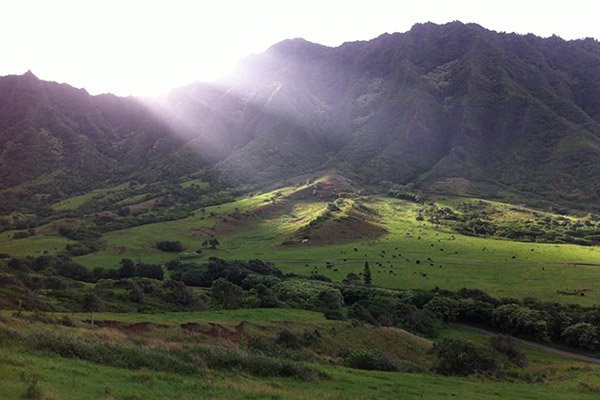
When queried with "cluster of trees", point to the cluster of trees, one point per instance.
{"points": [[254, 283], [476, 219]]}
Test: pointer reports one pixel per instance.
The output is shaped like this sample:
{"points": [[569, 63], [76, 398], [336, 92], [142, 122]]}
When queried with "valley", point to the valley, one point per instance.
{"points": [[412, 216]]}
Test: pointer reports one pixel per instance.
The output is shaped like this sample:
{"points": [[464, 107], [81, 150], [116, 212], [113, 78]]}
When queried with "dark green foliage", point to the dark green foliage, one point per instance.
{"points": [[78, 249], [79, 233], [443, 308], [92, 303], [367, 274], [516, 319], [153, 271], [211, 243], [258, 365], [23, 234], [509, 346], [583, 335], [266, 296], [127, 269], [417, 320], [370, 360], [226, 293], [462, 358], [116, 355], [476, 219], [181, 295], [170, 246]]}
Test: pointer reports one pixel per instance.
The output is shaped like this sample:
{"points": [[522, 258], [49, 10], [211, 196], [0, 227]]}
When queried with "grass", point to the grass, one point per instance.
{"points": [[73, 203], [64, 377], [194, 182], [501, 267]]}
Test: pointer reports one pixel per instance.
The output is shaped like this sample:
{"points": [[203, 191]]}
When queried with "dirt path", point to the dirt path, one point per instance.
{"points": [[564, 353], [595, 266]]}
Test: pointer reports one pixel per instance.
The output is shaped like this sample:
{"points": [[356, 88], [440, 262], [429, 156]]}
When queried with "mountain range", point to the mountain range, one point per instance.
{"points": [[454, 109]]}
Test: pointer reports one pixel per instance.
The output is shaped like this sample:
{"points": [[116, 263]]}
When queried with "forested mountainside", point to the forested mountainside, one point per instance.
{"points": [[449, 108]]}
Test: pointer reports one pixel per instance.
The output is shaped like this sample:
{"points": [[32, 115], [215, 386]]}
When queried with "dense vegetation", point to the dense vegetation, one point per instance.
{"points": [[58, 141], [483, 219]]}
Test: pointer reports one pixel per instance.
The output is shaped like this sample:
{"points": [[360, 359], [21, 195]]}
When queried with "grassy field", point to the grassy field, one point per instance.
{"points": [[73, 203], [409, 254], [67, 378]]}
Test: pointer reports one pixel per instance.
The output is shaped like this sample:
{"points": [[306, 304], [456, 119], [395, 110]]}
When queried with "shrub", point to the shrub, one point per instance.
{"points": [[258, 365], [21, 235], [152, 271], [462, 358], [509, 347], [444, 308], [116, 355], [266, 296], [410, 317], [370, 360], [287, 339], [78, 249], [170, 246], [521, 320], [582, 335], [227, 293]]}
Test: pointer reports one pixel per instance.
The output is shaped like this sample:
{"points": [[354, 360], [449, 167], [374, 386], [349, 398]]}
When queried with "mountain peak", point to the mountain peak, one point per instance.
{"points": [[294, 46], [29, 75]]}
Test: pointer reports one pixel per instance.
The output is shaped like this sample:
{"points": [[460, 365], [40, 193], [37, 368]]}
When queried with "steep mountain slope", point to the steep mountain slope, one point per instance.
{"points": [[449, 108], [56, 140]]}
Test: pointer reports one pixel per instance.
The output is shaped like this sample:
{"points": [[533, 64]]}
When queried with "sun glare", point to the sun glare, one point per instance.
{"points": [[148, 47]]}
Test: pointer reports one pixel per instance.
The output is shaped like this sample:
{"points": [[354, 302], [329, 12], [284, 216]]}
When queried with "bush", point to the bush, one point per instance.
{"points": [[411, 318], [227, 293], [369, 360], [583, 335], [152, 271], [170, 246], [78, 249], [21, 235], [509, 347], [462, 358], [266, 296], [444, 308], [116, 355], [287, 339], [520, 320], [258, 365]]}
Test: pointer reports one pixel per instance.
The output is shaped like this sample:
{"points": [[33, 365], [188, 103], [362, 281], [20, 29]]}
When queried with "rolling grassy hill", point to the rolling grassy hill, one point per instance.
{"points": [[301, 230]]}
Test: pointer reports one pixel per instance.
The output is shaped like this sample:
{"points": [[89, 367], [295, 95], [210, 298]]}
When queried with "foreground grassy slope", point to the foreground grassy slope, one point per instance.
{"points": [[64, 378]]}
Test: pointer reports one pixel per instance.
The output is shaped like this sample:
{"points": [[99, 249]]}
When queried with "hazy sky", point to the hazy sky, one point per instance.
{"points": [[146, 47]]}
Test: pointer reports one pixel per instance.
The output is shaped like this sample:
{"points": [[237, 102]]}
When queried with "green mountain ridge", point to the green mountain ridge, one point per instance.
{"points": [[448, 108]]}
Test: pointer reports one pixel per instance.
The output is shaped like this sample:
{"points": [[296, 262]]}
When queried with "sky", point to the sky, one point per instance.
{"points": [[131, 47]]}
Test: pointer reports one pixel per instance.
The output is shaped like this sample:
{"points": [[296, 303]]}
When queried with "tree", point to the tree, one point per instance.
{"points": [[582, 335], [266, 296], [462, 357], [227, 293], [170, 246], [127, 269], [367, 274], [153, 271], [92, 303], [443, 308]]}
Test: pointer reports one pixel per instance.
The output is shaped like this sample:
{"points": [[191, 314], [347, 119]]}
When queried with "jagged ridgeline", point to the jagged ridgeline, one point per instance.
{"points": [[449, 108]]}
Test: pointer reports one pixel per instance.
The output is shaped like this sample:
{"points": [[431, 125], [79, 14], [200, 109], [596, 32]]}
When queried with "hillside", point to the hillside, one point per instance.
{"points": [[449, 108]]}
